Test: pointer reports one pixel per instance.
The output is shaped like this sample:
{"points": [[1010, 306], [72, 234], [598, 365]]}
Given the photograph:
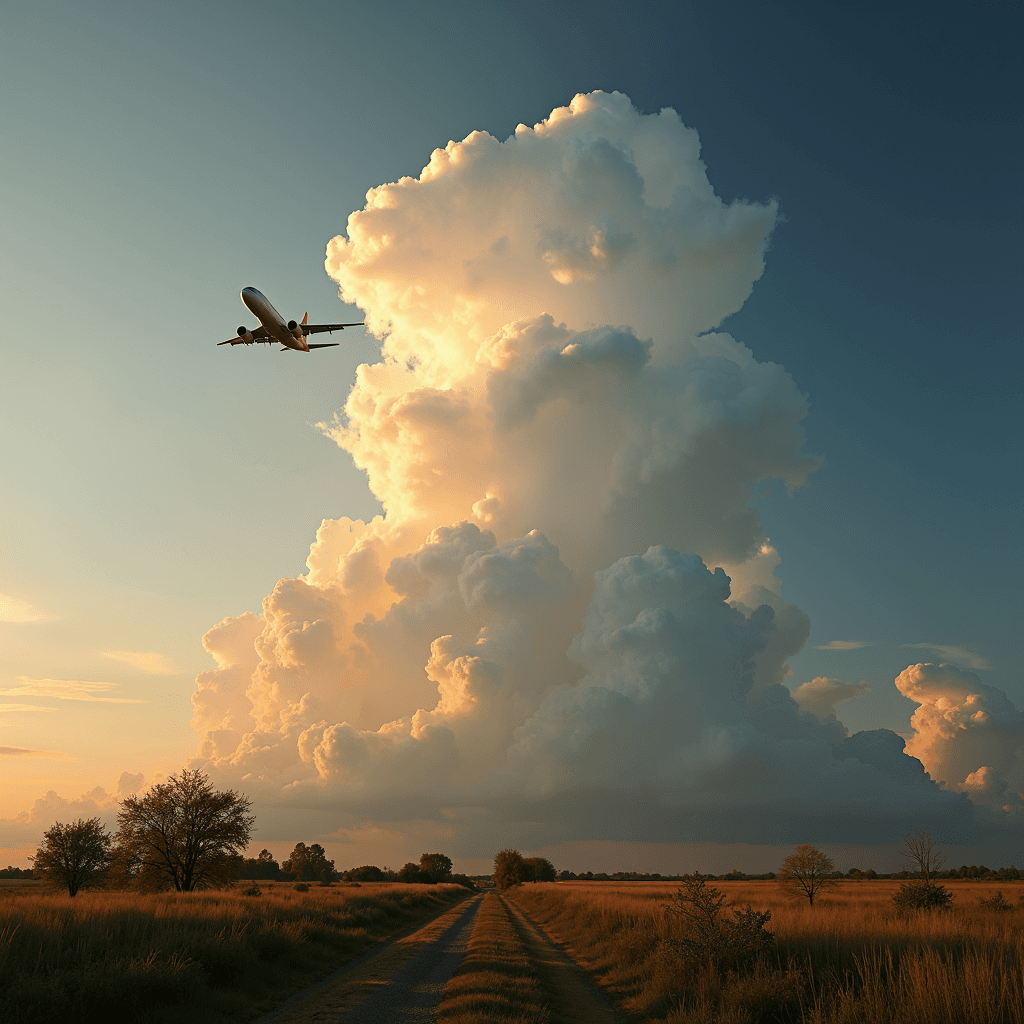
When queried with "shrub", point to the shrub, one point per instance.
{"points": [[997, 902], [300, 887], [715, 943], [922, 895], [252, 890]]}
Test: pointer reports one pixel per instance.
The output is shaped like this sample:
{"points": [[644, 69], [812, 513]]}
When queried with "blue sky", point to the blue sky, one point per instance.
{"points": [[157, 159]]}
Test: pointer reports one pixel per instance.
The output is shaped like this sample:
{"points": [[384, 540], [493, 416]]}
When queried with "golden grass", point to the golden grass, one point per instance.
{"points": [[848, 959], [141, 958], [496, 981]]}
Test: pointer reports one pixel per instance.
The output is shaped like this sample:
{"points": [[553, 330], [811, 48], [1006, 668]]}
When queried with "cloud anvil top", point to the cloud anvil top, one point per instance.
{"points": [[291, 335]]}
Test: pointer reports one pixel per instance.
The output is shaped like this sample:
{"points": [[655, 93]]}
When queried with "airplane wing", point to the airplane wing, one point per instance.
{"points": [[326, 344], [330, 328], [259, 337]]}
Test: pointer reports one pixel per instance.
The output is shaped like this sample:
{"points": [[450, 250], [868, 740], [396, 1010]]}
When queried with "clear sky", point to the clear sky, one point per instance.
{"points": [[157, 158]]}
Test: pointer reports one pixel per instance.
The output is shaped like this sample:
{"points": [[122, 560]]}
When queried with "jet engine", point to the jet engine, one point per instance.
{"points": [[295, 328], [245, 335]]}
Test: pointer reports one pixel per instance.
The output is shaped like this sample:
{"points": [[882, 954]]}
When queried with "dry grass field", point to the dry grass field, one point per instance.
{"points": [[848, 960], [217, 956]]}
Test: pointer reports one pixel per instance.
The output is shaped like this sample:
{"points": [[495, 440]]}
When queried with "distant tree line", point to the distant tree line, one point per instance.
{"points": [[310, 864], [185, 835], [10, 872]]}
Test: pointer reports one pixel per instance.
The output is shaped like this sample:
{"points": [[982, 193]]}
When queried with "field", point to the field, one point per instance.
{"points": [[227, 957], [848, 959], [120, 957]]}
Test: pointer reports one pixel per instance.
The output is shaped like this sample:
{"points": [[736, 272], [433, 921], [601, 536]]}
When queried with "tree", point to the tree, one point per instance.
{"points": [[262, 866], [538, 869], [508, 868], [806, 873], [924, 861], [366, 873], [74, 855], [435, 867], [921, 855], [183, 834], [410, 872], [309, 864]]}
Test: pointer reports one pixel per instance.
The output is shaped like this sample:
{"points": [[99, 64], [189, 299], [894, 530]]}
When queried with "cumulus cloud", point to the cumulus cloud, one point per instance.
{"points": [[15, 609], [26, 829], [844, 645], [821, 695], [67, 689], [565, 623], [967, 734], [956, 655], [151, 662], [128, 783]]}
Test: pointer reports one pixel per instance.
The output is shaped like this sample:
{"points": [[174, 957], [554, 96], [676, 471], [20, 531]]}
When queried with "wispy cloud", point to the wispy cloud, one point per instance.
{"points": [[14, 609], [53, 755], [956, 655], [67, 689], [153, 662], [23, 707], [845, 645]]}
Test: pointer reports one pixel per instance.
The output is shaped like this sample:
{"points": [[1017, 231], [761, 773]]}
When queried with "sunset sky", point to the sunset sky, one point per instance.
{"points": [[742, 290]]}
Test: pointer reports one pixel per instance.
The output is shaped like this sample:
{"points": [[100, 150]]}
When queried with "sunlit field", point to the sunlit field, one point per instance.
{"points": [[848, 959], [120, 957]]}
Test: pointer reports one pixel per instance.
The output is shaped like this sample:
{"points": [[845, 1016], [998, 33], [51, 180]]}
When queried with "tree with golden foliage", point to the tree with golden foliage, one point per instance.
{"points": [[183, 835], [806, 873]]}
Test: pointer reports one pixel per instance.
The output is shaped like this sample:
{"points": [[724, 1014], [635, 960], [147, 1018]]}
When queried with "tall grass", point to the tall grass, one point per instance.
{"points": [[849, 959], [140, 958]]}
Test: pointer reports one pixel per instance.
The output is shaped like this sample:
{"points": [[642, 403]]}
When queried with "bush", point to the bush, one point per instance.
{"points": [[997, 902], [300, 887], [252, 890], [922, 895], [721, 945]]}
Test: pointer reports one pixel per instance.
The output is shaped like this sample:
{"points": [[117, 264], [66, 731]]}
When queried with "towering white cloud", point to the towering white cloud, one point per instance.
{"points": [[554, 419], [967, 734]]}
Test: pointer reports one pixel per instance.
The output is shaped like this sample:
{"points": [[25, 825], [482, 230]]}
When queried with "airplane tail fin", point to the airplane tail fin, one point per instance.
{"points": [[305, 319]]}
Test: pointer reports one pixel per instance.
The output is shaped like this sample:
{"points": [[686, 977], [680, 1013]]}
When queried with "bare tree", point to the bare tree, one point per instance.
{"points": [[921, 855], [806, 873], [74, 855], [923, 893], [183, 834]]}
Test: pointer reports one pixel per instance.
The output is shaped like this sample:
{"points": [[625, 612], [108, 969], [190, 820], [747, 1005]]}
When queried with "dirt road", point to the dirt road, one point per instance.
{"points": [[480, 961]]}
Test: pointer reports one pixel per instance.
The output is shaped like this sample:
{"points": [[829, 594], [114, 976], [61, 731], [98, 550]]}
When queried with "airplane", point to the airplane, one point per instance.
{"points": [[291, 335]]}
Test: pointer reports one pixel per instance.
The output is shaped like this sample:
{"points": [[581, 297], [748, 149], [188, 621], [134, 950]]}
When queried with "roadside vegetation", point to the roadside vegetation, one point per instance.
{"points": [[215, 956], [852, 958]]}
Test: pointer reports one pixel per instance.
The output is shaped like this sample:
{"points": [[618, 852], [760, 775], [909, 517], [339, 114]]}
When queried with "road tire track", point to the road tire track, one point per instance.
{"points": [[341, 996], [414, 993], [574, 997]]}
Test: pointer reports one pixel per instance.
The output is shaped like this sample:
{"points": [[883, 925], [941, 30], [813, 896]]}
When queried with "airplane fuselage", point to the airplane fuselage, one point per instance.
{"points": [[273, 323]]}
